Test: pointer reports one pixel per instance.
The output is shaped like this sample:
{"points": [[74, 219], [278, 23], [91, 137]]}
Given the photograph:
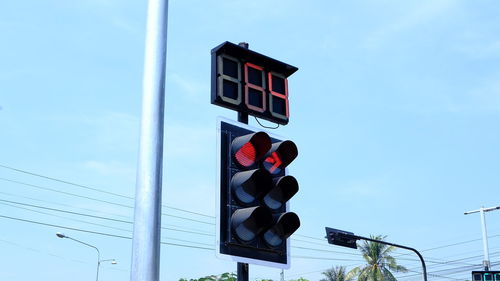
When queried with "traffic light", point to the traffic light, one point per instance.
{"points": [[485, 275], [254, 189], [341, 238]]}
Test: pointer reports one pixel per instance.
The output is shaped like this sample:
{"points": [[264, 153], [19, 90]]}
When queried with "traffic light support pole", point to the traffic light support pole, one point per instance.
{"points": [[242, 271], [242, 268], [398, 246]]}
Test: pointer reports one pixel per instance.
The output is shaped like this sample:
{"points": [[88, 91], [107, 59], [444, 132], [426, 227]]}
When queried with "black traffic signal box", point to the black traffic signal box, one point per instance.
{"points": [[485, 275], [254, 222]]}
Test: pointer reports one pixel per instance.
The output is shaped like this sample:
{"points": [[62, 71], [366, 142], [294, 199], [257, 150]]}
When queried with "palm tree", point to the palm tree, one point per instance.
{"points": [[337, 273], [380, 262]]}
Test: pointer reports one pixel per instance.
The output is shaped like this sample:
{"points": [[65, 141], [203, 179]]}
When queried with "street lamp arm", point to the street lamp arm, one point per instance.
{"points": [[81, 242], [395, 245], [92, 246], [483, 209]]}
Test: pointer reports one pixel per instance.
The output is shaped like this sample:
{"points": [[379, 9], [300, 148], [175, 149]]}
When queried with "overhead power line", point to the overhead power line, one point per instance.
{"points": [[14, 203], [62, 204], [96, 189], [96, 232], [97, 217], [97, 200], [175, 208]]}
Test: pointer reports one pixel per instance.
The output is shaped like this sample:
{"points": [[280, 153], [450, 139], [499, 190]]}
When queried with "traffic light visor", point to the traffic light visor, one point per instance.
{"points": [[286, 225], [249, 149], [280, 156], [284, 189], [249, 222], [249, 186]]}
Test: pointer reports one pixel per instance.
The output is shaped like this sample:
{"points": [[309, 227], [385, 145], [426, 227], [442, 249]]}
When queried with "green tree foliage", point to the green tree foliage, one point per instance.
{"points": [[228, 276], [337, 273], [379, 262]]}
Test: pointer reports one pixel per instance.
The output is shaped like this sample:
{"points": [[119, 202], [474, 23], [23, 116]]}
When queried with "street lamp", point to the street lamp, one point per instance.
{"points": [[99, 261]]}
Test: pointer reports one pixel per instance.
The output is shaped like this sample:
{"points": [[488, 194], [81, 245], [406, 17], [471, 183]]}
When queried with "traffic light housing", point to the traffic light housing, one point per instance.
{"points": [[341, 238], [485, 275], [254, 190]]}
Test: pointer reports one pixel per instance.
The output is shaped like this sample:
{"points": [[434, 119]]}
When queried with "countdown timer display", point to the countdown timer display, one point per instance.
{"points": [[249, 82]]}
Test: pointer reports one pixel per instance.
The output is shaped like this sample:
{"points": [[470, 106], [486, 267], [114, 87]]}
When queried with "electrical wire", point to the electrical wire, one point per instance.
{"points": [[96, 232], [54, 255], [98, 217], [61, 204], [453, 271], [111, 227], [267, 127], [9, 203], [97, 200], [182, 210], [96, 189]]}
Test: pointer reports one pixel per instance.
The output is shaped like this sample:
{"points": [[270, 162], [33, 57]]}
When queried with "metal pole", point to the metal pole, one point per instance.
{"points": [[145, 264], [399, 246], [242, 271], [97, 276], [486, 261], [242, 268], [482, 210]]}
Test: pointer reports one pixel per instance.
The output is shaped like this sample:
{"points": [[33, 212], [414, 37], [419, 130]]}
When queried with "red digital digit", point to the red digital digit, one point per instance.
{"points": [[255, 93], [278, 95]]}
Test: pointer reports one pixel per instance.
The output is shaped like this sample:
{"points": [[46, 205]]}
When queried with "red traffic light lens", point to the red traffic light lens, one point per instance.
{"points": [[280, 156], [246, 155], [273, 163], [249, 149]]}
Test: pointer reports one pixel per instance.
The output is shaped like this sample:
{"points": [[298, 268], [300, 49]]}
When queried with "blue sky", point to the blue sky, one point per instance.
{"points": [[395, 111]]}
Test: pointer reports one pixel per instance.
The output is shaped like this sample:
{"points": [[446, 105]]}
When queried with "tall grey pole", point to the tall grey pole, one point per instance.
{"points": [[147, 217], [486, 261], [482, 210]]}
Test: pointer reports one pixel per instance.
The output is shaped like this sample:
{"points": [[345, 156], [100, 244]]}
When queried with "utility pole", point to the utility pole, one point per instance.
{"points": [[145, 264], [482, 210]]}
